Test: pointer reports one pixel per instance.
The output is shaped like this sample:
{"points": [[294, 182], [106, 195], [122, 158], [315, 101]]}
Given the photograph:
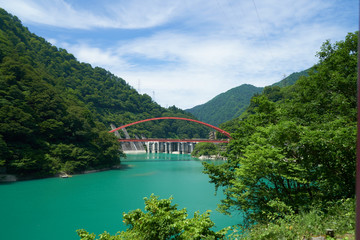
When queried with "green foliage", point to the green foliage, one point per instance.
{"points": [[292, 78], [225, 106], [55, 111], [205, 149], [339, 216], [294, 146], [231, 104], [162, 220]]}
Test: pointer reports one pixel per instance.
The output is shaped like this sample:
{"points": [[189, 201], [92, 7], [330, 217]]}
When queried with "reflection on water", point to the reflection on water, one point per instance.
{"points": [[158, 157]]}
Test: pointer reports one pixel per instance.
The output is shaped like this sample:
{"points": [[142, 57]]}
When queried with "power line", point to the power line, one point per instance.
{"points": [[225, 15], [262, 29], [232, 9]]}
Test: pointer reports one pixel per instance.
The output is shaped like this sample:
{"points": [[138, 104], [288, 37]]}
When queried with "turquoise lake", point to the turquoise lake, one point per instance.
{"points": [[55, 208]]}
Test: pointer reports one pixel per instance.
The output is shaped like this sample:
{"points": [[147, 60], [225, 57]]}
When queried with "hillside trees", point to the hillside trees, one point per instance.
{"points": [[205, 149], [43, 132], [298, 148], [225, 106], [55, 111]]}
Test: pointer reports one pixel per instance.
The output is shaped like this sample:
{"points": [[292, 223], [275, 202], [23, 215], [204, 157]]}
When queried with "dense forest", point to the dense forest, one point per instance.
{"points": [[290, 168], [295, 147], [232, 103], [292, 78], [225, 106], [55, 112], [292, 149]]}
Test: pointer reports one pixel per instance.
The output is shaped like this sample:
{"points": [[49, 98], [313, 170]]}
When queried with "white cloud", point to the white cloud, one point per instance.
{"points": [[55, 13], [191, 69], [193, 50], [95, 56], [141, 13], [117, 14], [185, 49]]}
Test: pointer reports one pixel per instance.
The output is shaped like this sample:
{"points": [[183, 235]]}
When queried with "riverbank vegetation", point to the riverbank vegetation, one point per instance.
{"points": [[55, 112], [205, 149], [336, 221], [294, 147], [290, 167], [161, 220], [292, 154]]}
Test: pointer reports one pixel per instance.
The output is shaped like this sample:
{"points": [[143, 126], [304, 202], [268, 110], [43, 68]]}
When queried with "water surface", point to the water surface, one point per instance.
{"points": [[54, 208]]}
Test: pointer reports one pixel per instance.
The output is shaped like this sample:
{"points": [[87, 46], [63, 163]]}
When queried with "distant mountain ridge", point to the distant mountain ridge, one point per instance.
{"points": [[225, 106], [233, 103], [292, 78]]}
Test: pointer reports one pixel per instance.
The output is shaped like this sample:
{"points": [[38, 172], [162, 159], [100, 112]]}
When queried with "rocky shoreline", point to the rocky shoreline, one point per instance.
{"points": [[212, 157], [6, 178]]}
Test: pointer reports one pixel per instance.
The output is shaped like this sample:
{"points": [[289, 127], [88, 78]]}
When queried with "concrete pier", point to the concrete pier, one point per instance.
{"points": [[170, 147]]}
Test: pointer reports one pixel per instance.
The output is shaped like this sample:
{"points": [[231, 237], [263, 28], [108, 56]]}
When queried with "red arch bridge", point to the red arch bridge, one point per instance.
{"points": [[166, 145]]}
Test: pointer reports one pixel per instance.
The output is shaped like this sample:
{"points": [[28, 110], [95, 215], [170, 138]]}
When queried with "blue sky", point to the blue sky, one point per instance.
{"points": [[185, 52]]}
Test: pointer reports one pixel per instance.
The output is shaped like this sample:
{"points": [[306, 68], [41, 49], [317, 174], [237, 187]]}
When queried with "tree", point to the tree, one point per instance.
{"points": [[205, 149], [298, 148], [162, 220]]}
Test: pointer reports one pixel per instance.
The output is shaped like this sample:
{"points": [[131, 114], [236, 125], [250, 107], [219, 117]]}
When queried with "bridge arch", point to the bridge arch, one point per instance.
{"points": [[176, 118]]}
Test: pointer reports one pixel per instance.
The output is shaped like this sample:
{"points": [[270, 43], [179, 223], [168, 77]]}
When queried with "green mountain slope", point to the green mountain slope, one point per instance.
{"points": [[55, 111], [225, 106], [292, 78], [232, 104]]}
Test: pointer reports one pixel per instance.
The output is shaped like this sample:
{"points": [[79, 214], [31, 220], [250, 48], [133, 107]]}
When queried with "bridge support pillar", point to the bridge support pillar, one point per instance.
{"points": [[157, 147], [166, 150], [182, 148], [170, 147], [175, 147], [153, 150], [164, 147], [161, 147], [147, 147], [191, 145], [152, 147]]}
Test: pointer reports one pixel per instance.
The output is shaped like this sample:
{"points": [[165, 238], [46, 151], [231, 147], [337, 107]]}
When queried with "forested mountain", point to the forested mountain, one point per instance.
{"points": [[55, 111], [290, 167], [232, 103], [225, 106], [295, 147], [292, 78]]}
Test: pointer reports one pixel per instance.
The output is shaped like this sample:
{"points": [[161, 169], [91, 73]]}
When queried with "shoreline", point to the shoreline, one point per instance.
{"points": [[212, 157], [11, 178]]}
